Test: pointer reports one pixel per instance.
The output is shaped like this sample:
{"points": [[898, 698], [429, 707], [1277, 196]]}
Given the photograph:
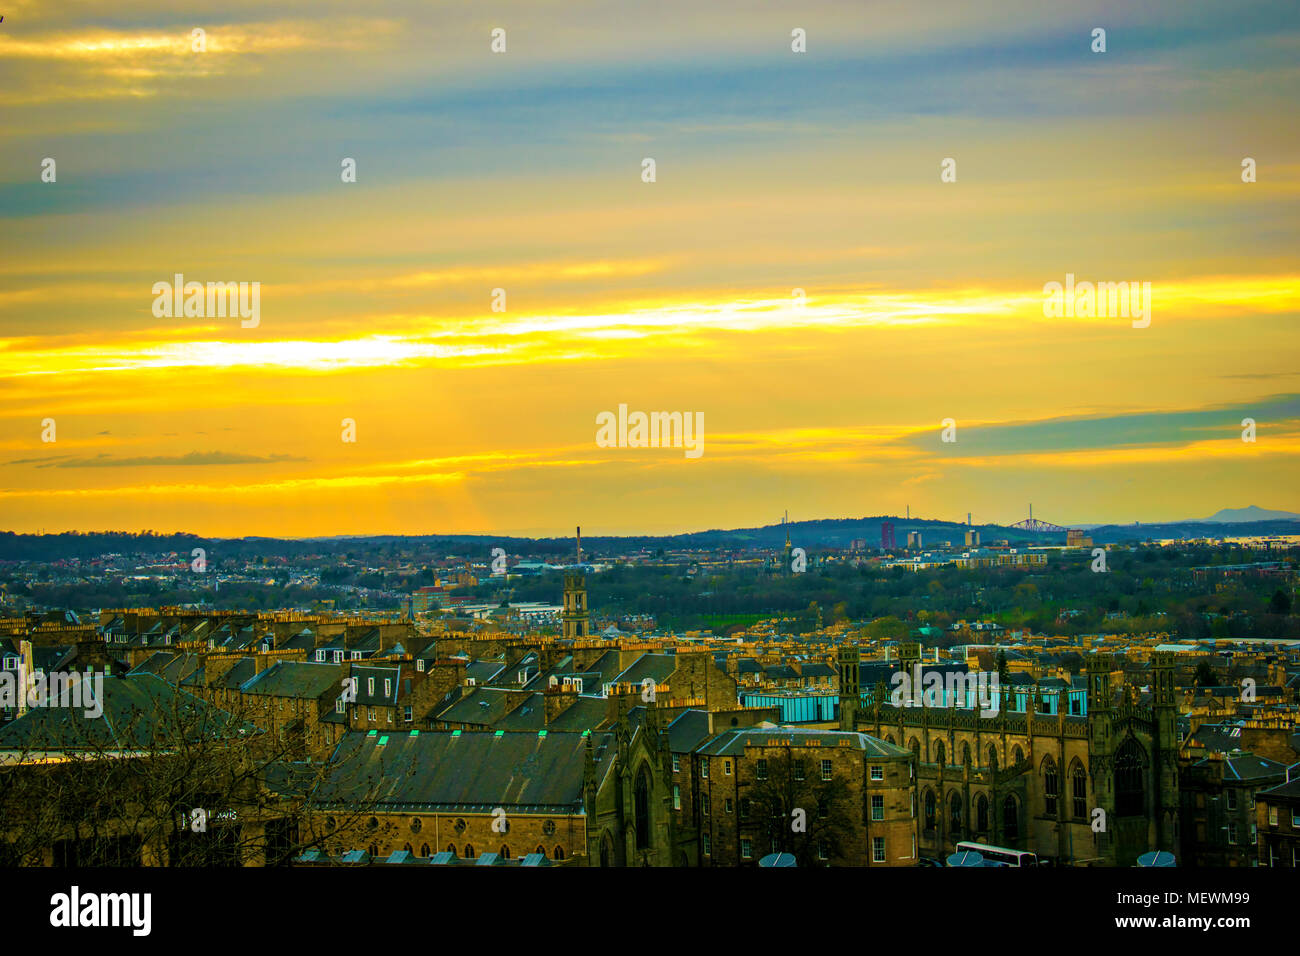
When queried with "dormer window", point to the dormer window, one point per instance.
{"points": [[388, 687]]}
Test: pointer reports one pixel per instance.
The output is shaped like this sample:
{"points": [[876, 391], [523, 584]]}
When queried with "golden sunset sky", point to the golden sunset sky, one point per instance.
{"points": [[521, 170]]}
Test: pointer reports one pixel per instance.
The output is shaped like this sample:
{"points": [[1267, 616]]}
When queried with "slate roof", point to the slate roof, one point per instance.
{"points": [[300, 679], [658, 667], [470, 770], [477, 705], [688, 730]]}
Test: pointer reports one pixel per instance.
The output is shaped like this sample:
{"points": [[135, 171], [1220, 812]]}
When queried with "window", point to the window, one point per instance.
{"points": [[1272, 816], [424, 850], [877, 772], [744, 807], [1232, 799], [370, 686], [370, 713], [954, 815], [929, 809], [407, 715], [419, 665], [1050, 791], [677, 797], [823, 851], [390, 714], [1254, 834], [505, 852], [746, 849], [823, 810], [1295, 817], [877, 849], [877, 806], [798, 770], [939, 753], [1232, 833], [677, 763], [469, 851], [760, 769], [704, 768], [726, 806], [726, 768], [559, 853], [1130, 780], [338, 706], [982, 813], [1079, 791], [708, 845], [826, 770], [320, 656], [1010, 820], [706, 805], [388, 687]]}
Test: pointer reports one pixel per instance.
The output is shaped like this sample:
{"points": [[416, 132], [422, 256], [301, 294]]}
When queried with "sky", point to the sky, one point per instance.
{"points": [[388, 387]]}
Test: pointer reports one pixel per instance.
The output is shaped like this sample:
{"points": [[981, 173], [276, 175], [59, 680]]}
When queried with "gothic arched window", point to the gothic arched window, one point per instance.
{"points": [[929, 809], [641, 801], [1051, 786], [1130, 779], [954, 816], [982, 814], [1078, 790], [1010, 820]]}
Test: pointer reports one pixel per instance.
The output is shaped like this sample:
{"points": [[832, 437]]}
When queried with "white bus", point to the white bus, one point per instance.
{"points": [[999, 854]]}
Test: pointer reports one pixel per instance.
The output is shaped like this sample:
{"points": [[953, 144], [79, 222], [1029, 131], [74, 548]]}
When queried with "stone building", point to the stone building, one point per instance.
{"points": [[1100, 788]]}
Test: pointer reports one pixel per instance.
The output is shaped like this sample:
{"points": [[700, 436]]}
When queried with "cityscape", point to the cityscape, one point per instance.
{"points": [[662, 443]]}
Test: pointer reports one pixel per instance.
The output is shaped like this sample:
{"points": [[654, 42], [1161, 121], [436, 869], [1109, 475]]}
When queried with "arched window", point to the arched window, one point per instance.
{"points": [[641, 806], [993, 757], [939, 753], [889, 738], [505, 852], [1051, 786], [559, 853], [408, 848], [1130, 779], [929, 809], [965, 755], [374, 849], [954, 815], [1010, 821], [424, 851], [469, 851], [1078, 790], [604, 851], [982, 814], [451, 848], [915, 746], [1018, 755], [540, 849]]}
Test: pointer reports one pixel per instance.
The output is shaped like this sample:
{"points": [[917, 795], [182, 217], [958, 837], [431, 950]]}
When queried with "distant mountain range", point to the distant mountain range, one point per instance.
{"points": [[823, 533], [1251, 513]]}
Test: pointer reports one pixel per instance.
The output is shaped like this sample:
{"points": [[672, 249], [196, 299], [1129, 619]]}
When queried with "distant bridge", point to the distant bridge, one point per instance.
{"points": [[1033, 524]]}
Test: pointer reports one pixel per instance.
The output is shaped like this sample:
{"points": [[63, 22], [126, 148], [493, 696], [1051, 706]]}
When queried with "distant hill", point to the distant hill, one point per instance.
{"points": [[1252, 513]]}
